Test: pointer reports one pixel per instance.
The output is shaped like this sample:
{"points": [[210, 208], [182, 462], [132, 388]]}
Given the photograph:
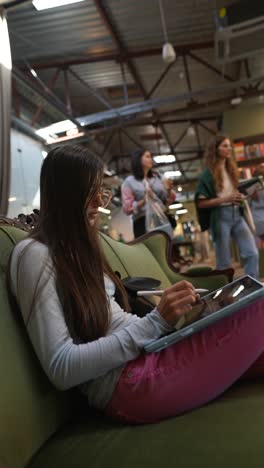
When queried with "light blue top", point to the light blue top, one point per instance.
{"points": [[133, 191], [94, 366]]}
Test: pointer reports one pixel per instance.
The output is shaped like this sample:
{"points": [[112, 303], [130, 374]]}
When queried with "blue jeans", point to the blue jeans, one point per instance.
{"points": [[232, 225]]}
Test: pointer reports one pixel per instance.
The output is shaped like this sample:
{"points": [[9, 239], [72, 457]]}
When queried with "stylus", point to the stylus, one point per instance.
{"points": [[159, 292]]}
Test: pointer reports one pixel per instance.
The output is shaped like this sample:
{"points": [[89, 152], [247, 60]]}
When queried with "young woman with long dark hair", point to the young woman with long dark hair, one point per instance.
{"points": [[220, 206], [65, 291], [142, 183]]}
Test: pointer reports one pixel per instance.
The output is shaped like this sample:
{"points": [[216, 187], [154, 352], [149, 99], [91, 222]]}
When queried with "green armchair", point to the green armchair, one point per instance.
{"points": [[150, 255], [42, 427]]}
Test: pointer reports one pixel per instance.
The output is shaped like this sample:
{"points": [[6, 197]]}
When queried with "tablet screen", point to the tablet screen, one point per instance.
{"points": [[221, 298]]}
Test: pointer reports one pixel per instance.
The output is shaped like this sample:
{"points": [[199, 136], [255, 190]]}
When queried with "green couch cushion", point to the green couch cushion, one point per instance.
{"points": [[110, 254], [31, 410], [137, 260], [226, 433]]}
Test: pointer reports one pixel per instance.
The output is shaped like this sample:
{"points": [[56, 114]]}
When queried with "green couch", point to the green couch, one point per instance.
{"points": [[41, 427]]}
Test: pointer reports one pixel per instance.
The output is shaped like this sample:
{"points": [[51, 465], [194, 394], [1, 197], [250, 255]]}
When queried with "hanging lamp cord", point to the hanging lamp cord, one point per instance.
{"points": [[163, 20]]}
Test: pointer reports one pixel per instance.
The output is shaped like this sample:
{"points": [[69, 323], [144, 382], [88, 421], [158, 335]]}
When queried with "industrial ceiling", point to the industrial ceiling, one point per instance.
{"points": [[99, 63]]}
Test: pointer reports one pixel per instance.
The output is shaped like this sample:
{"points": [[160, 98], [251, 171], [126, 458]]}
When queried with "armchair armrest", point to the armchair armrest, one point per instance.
{"points": [[198, 271], [212, 280], [160, 245], [206, 271]]}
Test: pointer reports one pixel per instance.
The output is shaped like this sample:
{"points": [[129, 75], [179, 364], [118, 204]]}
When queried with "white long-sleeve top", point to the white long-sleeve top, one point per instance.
{"points": [[94, 366]]}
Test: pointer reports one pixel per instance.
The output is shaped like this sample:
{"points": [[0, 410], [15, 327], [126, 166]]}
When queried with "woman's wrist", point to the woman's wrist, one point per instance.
{"points": [[221, 200], [141, 203], [225, 199]]}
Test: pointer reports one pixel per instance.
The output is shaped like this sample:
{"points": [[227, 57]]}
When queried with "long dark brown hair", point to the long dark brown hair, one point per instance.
{"points": [[71, 176], [136, 165], [212, 161]]}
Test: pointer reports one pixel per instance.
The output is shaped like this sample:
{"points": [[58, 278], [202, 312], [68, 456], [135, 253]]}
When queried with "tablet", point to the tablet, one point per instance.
{"points": [[211, 308]]}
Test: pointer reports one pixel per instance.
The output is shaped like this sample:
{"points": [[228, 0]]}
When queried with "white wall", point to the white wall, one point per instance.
{"points": [[244, 121], [26, 160]]}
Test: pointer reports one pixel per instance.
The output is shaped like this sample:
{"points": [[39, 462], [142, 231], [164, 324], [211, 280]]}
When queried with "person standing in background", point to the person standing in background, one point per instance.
{"points": [[135, 188], [201, 242], [121, 238], [257, 205], [171, 194], [171, 198], [220, 207]]}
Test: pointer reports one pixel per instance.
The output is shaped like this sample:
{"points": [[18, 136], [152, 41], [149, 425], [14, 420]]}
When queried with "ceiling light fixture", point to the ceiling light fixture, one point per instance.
{"points": [[191, 131], [236, 101], [183, 211], [104, 210], [46, 4], [5, 53], [168, 52], [164, 158], [50, 133], [52, 140], [172, 174], [33, 72], [72, 132], [108, 173], [179, 189], [175, 206]]}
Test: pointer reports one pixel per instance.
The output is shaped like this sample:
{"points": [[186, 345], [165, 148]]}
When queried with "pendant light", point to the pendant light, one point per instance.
{"points": [[168, 52]]}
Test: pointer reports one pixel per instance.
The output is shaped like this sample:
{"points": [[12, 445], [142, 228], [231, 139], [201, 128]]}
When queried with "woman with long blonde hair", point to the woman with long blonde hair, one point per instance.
{"points": [[220, 206]]}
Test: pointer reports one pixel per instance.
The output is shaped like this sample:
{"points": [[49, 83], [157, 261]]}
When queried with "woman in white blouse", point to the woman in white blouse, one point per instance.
{"points": [[220, 206]]}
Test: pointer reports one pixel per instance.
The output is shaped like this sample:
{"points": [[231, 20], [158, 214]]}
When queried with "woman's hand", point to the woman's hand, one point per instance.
{"points": [[176, 301], [150, 192], [236, 197]]}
